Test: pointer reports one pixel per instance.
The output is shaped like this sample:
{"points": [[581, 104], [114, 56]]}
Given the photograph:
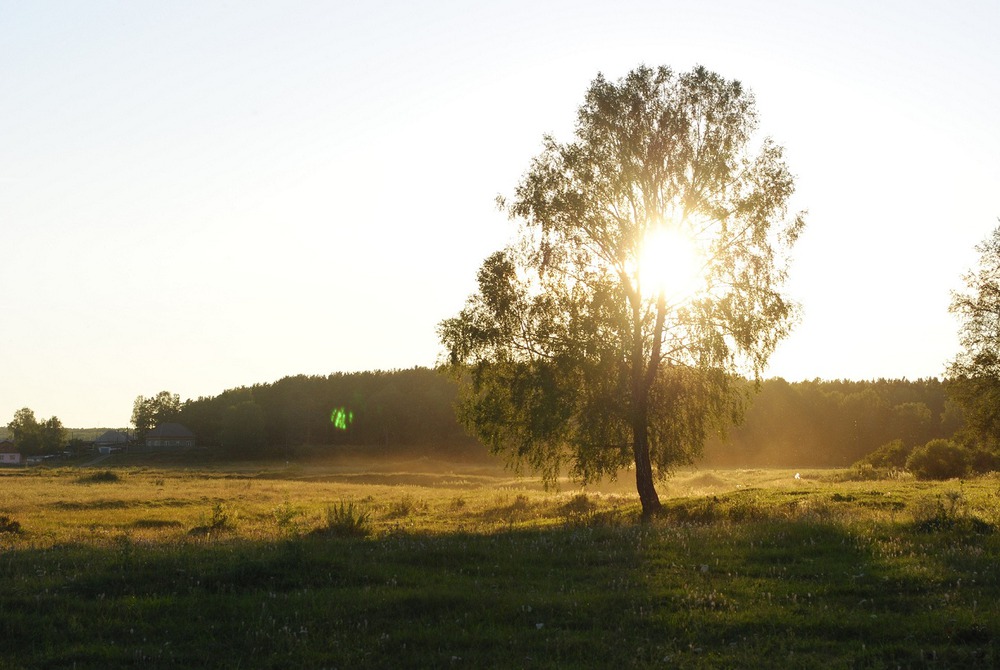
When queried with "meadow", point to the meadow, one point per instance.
{"points": [[431, 564]]}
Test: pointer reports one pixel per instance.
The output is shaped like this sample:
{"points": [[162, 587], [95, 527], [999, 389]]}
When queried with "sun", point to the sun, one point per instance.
{"points": [[670, 263]]}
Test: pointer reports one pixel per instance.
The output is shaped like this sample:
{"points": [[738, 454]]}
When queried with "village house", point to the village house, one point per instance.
{"points": [[9, 455], [111, 441], [169, 435]]}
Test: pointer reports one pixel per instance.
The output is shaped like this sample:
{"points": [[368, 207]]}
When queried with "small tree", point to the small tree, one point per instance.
{"points": [[646, 276]]}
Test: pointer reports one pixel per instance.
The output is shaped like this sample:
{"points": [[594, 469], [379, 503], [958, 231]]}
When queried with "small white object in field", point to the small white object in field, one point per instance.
{"points": [[797, 476]]}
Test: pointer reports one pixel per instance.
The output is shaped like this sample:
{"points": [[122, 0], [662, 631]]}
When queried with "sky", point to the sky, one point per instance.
{"points": [[199, 195]]}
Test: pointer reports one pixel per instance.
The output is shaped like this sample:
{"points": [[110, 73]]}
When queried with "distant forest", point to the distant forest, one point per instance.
{"points": [[394, 410], [802, 424], [834, 423]]}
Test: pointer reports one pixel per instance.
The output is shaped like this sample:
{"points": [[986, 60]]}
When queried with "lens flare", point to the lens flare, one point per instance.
{"points": [[341, 418]]}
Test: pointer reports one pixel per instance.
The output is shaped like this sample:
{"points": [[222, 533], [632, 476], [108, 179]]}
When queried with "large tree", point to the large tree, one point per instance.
{"points": [[36, 437], [645, 278], [148, 413], [974, 374]]}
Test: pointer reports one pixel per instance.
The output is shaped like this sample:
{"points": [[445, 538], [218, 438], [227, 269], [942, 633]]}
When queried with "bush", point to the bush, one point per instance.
{"points": [[284, 515], [405, 507], [891, 455], [9, 525], [346, 520], [938, 459], [223, 520], [102, 477], [983, 460], [579, 505]]}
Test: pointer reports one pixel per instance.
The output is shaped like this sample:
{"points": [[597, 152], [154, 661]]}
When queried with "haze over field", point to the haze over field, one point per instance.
{"points": [[199, 195]]}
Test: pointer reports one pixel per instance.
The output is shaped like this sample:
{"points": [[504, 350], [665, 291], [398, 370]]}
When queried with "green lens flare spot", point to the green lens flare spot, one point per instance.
{"points": [[341, 418]]}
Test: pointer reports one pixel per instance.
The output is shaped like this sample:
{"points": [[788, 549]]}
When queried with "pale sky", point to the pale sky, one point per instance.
{"points": [[200, 195]]}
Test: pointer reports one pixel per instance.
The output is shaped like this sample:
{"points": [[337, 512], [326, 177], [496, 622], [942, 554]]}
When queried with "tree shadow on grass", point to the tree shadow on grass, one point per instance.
{"points": [[761, 593], [786, 591], [528, 598]]}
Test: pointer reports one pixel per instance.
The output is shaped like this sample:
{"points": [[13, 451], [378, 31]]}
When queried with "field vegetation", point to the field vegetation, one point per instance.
{"points": [[422, 563]]}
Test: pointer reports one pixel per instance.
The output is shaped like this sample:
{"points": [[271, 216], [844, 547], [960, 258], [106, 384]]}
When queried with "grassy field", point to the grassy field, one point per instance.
{"points": [[429, 564]]}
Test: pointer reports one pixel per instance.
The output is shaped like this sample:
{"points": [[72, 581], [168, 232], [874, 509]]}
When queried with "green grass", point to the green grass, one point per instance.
{"points": [[744, 569]]}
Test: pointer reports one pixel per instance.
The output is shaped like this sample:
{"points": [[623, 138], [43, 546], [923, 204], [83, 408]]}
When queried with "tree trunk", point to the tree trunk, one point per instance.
{"points": [[643, 468], [643, 375]]}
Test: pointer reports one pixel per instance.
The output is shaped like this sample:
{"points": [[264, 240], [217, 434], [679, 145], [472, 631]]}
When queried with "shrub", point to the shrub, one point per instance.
{"points": [[578, 505], [891, 455], [284, 515], [102, 477], [9, 525], [865, 472], [346, 520], [938, 459], [983, 460], [405, 507], [223, 519]]}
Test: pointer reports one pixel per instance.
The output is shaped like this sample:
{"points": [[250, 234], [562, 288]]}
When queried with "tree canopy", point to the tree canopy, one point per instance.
{"points": [[147, 413], [585, 345], [400, 410], [974, 374], [36, 437]]}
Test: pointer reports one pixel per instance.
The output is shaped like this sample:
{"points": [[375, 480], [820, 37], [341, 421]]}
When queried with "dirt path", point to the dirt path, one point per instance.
{"points": [[96, 461]]}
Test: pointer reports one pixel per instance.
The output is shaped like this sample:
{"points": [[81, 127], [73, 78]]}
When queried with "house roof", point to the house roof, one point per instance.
{"points": [[170, 430], [112, 437], [7, 447]]}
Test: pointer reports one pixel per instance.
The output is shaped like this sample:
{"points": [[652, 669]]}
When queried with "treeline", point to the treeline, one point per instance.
{"points": [[802, 424], [834, 423], [390, 410], [34, 437]]}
